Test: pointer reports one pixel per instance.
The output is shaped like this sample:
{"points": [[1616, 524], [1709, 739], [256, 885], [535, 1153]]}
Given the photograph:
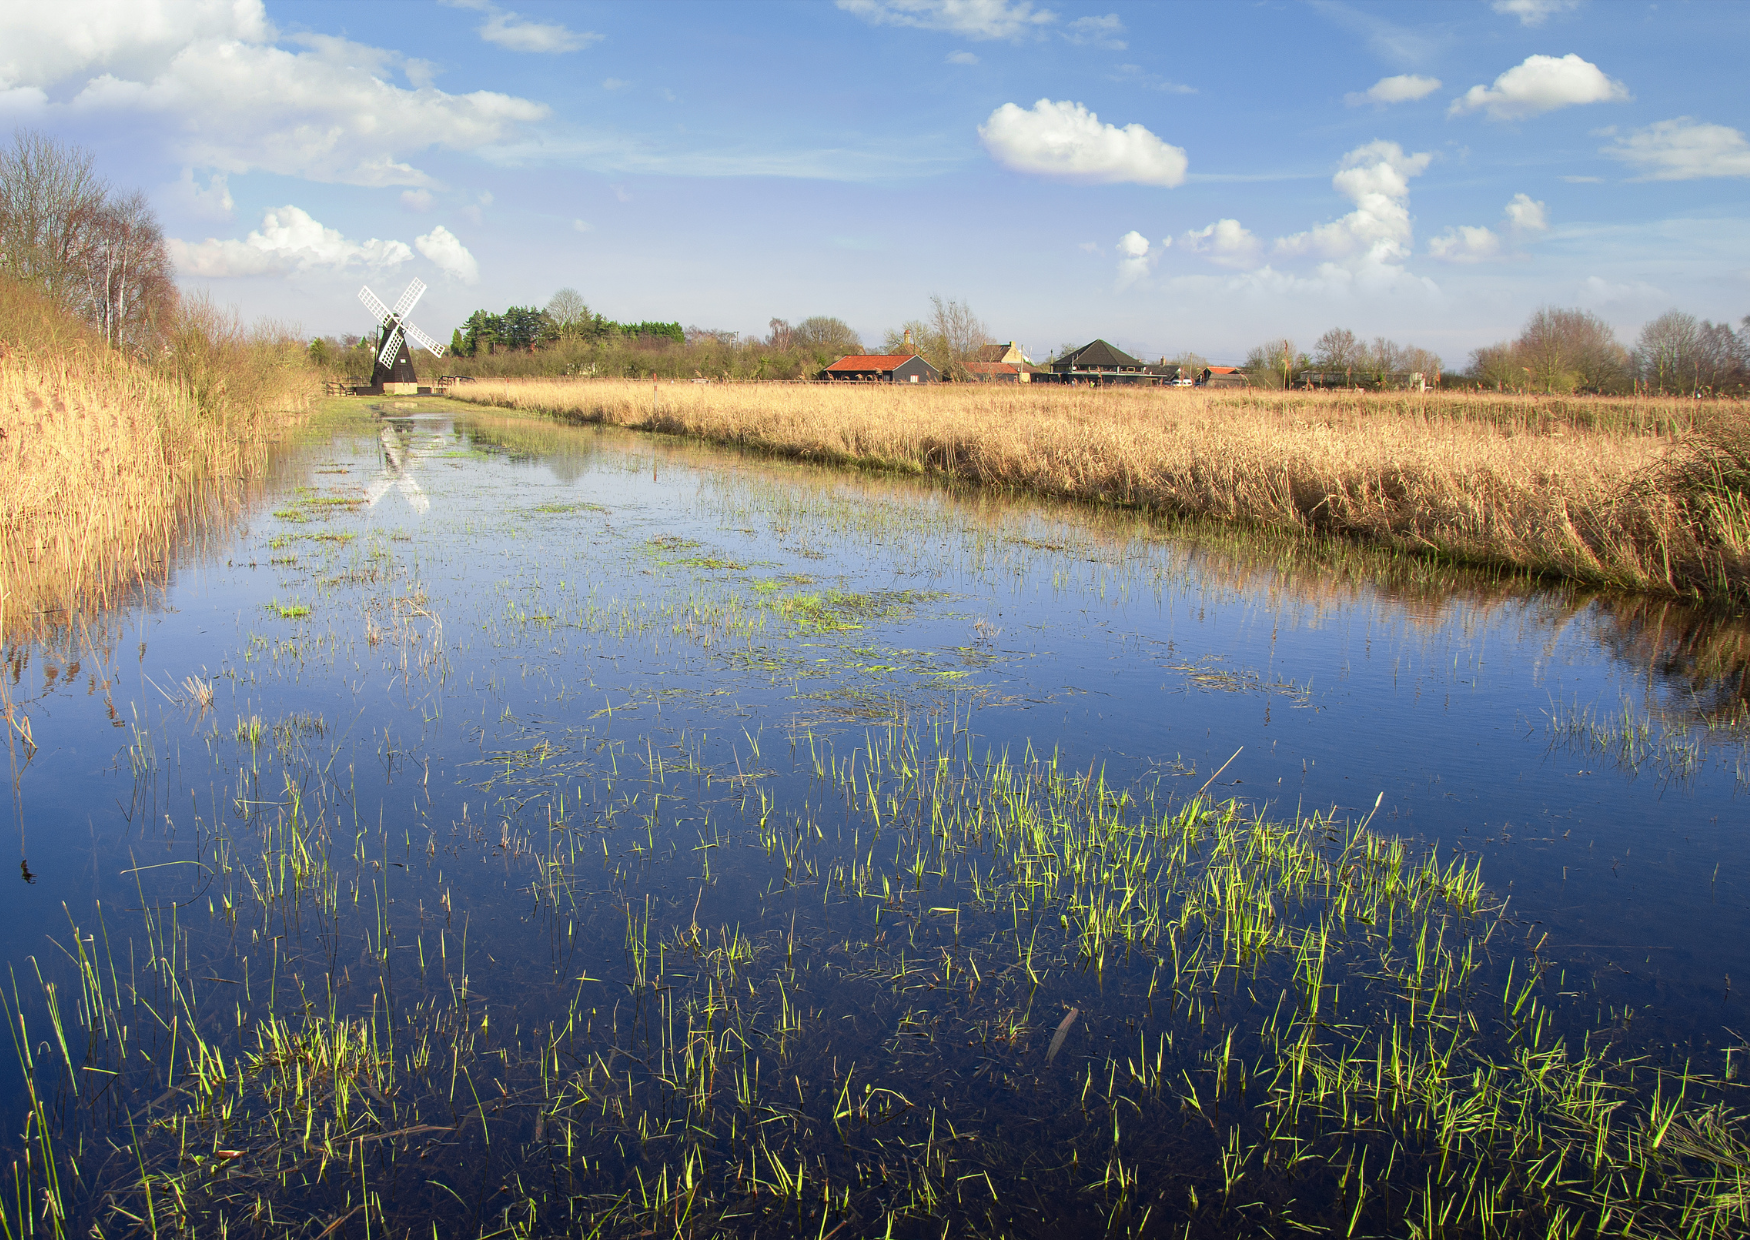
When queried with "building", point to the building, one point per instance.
{"points": [[1100, 364], [882, 368], [1223, 377], [1001, 363]]}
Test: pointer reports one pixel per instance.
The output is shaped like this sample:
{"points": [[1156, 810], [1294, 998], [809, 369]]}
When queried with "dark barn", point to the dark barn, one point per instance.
{"points": [[882, 368]]}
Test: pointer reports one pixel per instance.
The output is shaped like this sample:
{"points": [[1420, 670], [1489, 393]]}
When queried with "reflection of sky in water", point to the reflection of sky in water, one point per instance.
{"points": [[555, 575]]}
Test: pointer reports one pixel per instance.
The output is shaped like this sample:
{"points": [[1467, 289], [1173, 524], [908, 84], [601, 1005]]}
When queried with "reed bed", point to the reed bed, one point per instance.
{"points": [[107, 460], [1640, 494]]}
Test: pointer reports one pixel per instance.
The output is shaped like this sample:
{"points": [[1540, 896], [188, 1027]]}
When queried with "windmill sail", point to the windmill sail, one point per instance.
{"points": [[422, 340], [374, 304], [391, 347], [409, 299]]}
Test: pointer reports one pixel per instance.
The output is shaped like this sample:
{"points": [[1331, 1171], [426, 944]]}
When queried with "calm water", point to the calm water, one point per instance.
{"points": [[537, 687]]}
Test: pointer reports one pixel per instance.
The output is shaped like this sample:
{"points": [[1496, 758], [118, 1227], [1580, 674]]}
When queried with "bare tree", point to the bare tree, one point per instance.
{"points": [[64, 235], [782, 335], [1338, 349], [570, 313], [1271, 364], [955, 335], [129, 285], [823, 334], [1569, 350]]}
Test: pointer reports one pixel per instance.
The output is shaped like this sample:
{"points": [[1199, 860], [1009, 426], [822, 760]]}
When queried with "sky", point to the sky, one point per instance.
{"points": [[1168, 177]]}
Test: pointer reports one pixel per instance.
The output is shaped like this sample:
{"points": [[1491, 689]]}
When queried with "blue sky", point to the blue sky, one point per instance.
{"points": [[1169, 177]]}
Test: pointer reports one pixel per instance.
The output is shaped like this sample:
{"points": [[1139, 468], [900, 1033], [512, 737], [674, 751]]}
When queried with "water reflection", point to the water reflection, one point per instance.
{"points": [[650, 802]]}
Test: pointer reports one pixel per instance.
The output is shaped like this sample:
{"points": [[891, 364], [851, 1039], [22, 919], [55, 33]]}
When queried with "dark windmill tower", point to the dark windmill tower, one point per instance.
{"points": [[393, 374]]}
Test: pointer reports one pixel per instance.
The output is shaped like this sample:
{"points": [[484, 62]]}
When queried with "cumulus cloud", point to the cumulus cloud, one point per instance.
{"points": [[961, 58], [41, 44], [1404, 88], [416, 199], [1066, 140], [1464, 244], [1138, 257], [1522, 218], [215, 80], [1097, 32], [976, 19], [1540, 84], [1224, 242], [289, 240], [1376, 178], [211, 201], [1527, 215], [1534, 12], [448, 254], [1683, 149], [516, 33]]}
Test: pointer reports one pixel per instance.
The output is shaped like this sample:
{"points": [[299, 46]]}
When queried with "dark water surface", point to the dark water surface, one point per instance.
{"points": [[581, 729]]}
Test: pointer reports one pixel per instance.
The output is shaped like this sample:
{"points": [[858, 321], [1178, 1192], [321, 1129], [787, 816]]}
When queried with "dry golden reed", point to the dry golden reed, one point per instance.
{"points": [[104, 461], [1640, 494]]}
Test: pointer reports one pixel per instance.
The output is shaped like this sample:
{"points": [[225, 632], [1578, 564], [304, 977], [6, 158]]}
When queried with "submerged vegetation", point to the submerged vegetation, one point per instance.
{"points": [[1287, 1024], [1643, 494]]}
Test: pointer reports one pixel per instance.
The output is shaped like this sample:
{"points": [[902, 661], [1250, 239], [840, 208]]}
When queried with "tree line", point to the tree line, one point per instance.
{"points": [[1558, 351], [92, 250]]}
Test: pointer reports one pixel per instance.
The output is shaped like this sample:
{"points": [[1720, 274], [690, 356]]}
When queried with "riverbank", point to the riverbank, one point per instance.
{"points": [[1645, 494], [108, 459]]}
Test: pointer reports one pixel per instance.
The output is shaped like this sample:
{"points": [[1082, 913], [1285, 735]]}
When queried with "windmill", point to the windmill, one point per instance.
{"points": [[393, 373]]}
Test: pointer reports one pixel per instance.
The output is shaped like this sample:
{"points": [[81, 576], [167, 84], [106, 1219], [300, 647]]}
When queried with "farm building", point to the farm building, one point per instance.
{"points": [[1099, 363], [1001, 363], [1223, 377], [882, 368]]}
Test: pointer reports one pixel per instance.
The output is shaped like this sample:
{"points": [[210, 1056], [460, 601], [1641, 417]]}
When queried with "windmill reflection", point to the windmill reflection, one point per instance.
{"points": [[399, 457]]}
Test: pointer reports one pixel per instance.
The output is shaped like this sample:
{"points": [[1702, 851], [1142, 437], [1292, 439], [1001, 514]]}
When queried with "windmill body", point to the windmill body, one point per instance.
{"points": [[393, 373]]}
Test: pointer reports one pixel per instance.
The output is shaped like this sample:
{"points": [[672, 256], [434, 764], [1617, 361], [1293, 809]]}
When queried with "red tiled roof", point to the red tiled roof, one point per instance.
{"points": [[994, 368], [1224, 370], [872, 361]]}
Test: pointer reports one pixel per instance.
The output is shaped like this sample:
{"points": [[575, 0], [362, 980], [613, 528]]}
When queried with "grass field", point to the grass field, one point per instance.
{"points": [[1645, 494]]}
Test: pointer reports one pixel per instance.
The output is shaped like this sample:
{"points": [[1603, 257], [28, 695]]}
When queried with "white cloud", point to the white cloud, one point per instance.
{"points": [[1376, 178], [1066, 140], [1533, 12], [441, 246], [1404, 88], [416, 199], [583, 226], [516, 33], [41, 44], [1138, 257], [288, 240], [614, 83], [212, 201], [961, 58], [976, 19], [1134, 75], [212, 79], [1540, 84], [1097, 32], [1224, 242], [1683, 149], [1464, 244], [1522, 217], [1527, 215]]}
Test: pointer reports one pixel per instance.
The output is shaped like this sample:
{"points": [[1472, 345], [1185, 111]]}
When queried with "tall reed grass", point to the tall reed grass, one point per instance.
{"points": [[106, 456], [1644, 494]]}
